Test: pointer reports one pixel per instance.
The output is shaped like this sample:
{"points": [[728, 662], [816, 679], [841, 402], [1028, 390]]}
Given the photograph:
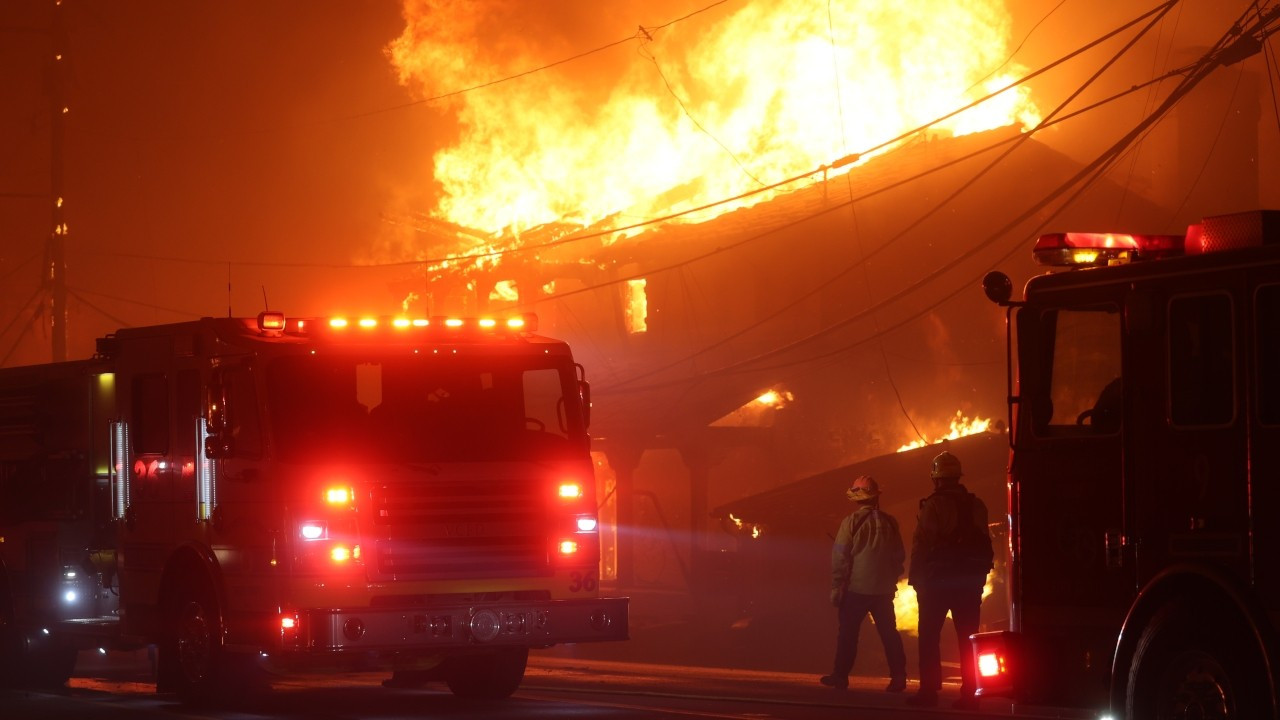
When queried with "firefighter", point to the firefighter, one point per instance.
{"points": [[950, 557], [866, 562]]}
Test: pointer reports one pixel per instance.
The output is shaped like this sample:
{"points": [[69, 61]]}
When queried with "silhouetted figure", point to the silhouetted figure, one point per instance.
{"points": [[866, 562], [950, 557]]}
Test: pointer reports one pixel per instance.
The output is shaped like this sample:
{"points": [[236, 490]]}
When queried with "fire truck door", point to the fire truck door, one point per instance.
{"points": [[1068, 466], [150, 516], [1264, 440], [1189, 451]]}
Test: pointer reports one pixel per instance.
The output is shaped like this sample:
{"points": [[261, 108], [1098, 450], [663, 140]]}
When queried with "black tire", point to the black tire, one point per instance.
{"points": [[493, 675], [192, 655], [1192, 665]]}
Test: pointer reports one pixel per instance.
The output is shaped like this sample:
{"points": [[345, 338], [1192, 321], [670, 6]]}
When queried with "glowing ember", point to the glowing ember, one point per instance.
{"points": [[689, 113], [960, 427], [752, 528], [775, 398]]}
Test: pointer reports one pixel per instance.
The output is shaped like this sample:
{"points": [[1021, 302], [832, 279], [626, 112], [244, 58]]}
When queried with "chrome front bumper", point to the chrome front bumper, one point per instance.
{"points": [[461, 626]]}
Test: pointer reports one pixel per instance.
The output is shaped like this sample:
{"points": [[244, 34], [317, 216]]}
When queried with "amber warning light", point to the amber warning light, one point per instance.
{"points": [[269, 320], [1098, 249]]}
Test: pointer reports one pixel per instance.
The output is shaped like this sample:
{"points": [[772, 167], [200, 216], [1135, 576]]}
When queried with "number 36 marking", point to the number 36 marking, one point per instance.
{"points": [[580, 582]]}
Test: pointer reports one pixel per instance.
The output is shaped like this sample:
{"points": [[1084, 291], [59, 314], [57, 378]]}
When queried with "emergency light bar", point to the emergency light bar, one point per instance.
{"points": [[1213, 234], [1075, 249], [271, 322]]}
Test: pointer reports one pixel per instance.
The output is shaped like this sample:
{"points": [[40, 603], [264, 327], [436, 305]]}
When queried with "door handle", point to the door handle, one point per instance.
{"points": [[1113, 542]]}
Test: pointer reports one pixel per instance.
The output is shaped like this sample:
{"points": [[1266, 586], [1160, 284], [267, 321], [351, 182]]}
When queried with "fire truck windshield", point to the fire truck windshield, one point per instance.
{"points": [[422, 409]]}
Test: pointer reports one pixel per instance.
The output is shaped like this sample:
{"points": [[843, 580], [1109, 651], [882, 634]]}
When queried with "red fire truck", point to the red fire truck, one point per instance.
{"points": [[277, 494], [1144, 479]]}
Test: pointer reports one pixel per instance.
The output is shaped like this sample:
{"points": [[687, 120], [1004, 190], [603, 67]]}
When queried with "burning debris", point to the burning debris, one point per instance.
{"points": [[961, 426]]}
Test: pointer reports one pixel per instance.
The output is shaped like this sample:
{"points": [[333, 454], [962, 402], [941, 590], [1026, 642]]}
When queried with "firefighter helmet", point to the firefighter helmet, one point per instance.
{"points": [[946, 465], [864, 488]]}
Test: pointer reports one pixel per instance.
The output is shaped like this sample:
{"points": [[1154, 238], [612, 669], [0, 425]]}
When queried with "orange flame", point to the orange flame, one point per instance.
{"points": [[960, 427], [688, 113]]}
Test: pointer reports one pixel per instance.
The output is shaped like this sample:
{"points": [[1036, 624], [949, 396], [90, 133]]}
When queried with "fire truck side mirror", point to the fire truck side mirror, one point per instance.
{"points": [[216, 405], [998, 287], [584, 391], [217, 446]]}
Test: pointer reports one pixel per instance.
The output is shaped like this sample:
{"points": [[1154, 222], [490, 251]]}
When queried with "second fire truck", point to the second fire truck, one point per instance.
{"points": [[271, 493]]}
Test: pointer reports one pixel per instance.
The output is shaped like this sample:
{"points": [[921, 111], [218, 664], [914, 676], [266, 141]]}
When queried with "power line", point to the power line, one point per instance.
{"points": [[644, 49], [1272, 68], [118, 322], [22, 312], [642, 33], [13, 270], [185, 313]]}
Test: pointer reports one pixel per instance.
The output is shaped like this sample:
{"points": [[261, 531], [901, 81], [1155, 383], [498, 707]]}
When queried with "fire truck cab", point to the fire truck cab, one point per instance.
{"points": [[271, 494], [1144, 479]]}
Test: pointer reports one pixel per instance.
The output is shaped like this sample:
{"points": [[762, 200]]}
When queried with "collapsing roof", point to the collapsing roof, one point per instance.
{"points": [[816, 504]]}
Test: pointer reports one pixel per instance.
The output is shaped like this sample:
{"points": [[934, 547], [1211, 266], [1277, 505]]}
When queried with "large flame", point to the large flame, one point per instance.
{"points": [[717, 104]]}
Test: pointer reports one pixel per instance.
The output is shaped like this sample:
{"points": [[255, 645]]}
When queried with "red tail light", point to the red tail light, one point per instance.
{"points": [[995, 657]]}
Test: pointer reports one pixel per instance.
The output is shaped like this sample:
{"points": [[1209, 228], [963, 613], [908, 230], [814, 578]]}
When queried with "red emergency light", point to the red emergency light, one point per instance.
{"points": [[1076, 249]]}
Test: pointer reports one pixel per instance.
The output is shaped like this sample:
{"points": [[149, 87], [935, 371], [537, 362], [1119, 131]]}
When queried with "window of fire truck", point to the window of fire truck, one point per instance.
{"points": [[422, 408], [1267, 338], [244, 427], [1201, 360], [150, 414], [1071, 375]]}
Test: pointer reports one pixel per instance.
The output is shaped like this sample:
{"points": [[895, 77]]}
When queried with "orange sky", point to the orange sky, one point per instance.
{"points": [[242, 132]]}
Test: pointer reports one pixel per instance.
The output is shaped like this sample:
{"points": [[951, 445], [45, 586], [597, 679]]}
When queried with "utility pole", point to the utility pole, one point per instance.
{"points": [[55, 277]]}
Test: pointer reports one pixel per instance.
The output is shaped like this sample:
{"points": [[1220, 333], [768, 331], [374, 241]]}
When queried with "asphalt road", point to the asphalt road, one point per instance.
{"points": [[120, 687]]}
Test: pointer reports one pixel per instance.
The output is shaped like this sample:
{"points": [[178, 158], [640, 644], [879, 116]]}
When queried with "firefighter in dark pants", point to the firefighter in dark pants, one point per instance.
{"points": [[950, 557], [866, 562]]}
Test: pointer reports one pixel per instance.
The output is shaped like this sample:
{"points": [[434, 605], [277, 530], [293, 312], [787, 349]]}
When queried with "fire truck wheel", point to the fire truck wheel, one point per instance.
{"points": [[193, 641], [1193, 665], [493, 675]]}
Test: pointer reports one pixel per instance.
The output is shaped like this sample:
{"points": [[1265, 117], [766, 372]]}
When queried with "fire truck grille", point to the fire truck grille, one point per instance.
{"points": [[443, 530]]}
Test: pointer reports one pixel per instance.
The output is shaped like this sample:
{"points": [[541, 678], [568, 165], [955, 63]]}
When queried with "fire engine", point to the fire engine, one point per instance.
{"points": [[1144, 475], [257, 495]]}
